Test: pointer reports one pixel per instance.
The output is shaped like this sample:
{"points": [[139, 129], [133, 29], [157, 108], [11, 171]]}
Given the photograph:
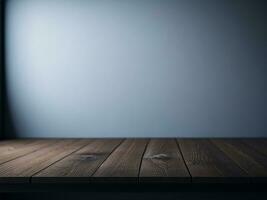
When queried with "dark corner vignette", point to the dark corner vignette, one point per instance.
{"points": [[2, 68]]}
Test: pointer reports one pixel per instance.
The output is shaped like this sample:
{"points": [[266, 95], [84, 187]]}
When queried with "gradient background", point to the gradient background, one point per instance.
{"points": [[136, 68]]}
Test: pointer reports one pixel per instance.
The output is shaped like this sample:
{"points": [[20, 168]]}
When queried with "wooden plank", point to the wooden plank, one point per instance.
{"points": [[216, 160], [12, 149], [163, 162], [12, 145], [21, 169], [259, 145], [123, 164], [254, 163], [207, 163], [79, 166]]}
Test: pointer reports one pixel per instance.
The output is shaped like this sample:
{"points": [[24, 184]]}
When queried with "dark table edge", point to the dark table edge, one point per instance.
{"points": [[132, 187]]}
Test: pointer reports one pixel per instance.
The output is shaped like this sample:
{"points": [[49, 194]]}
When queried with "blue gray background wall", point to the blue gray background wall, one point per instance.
{"points": [[143, 68]]}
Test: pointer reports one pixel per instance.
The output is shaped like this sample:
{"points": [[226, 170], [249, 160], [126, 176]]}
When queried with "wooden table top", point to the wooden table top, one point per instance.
{"points": [[133, 161]]}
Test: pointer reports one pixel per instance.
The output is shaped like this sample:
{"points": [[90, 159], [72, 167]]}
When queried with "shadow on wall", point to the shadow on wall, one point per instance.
{"points": [[2, 69], [150, 68], [6, 122]]}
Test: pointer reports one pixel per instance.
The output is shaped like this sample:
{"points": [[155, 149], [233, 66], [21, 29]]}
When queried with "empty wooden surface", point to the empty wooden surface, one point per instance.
{"points": [[207, 163], [248, 158], [81, 164], [22, 168], [163, 162], [15, 148], [133, 161], [124, 163]]}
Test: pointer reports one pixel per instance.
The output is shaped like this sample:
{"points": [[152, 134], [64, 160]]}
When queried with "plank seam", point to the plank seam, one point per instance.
{"points": [[139, 169], [59, 160], [45, 146], [107, 157], [182, 155]]}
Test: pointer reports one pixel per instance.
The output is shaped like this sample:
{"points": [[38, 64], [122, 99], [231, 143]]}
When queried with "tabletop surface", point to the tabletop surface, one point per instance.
{"points": [[137, 161]]}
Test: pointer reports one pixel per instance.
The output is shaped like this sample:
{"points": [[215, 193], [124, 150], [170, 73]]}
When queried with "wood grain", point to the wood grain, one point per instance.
{"points": [[260, 145], [123, 164], [12, 149], [22, 168], [133, 161], [163, 162], [79, 166], [207, 163], [254, 163]]}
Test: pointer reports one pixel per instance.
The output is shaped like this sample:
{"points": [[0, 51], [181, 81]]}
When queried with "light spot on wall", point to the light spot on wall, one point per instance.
{"points": [[141, 68]]}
